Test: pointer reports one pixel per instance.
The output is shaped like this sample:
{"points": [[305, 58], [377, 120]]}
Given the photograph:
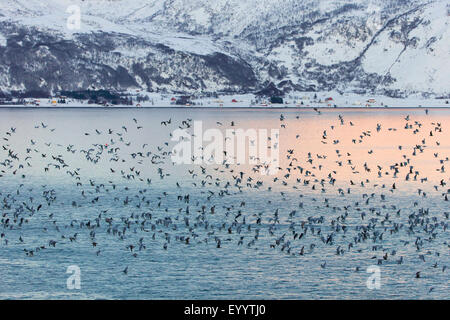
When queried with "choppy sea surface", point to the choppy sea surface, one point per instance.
{"points": [[97, 188]]}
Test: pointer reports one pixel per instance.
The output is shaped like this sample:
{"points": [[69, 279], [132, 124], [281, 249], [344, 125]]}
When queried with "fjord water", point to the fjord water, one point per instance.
{"points": [[116, 187]]}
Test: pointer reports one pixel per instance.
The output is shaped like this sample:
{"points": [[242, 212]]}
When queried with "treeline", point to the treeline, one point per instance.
{"points": [[98, 96], [25, 94], [92, 96]]}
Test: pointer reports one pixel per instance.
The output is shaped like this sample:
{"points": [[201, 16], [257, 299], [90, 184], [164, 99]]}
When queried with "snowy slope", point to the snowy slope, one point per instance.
{"points": [[378, 46]]}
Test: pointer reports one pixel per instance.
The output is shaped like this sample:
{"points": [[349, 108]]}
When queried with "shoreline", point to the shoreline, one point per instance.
{"points": [[220, 108], [294, 100]]}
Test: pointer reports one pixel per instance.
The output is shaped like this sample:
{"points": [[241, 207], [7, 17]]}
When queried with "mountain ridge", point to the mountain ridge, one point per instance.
{"points": [[385, 47]]}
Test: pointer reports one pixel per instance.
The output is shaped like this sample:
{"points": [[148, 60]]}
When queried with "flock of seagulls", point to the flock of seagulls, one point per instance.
{"points": [[311, 207]]}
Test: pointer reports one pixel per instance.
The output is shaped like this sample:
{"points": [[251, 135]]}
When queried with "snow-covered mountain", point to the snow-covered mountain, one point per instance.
{"points": [[391, 47]]}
